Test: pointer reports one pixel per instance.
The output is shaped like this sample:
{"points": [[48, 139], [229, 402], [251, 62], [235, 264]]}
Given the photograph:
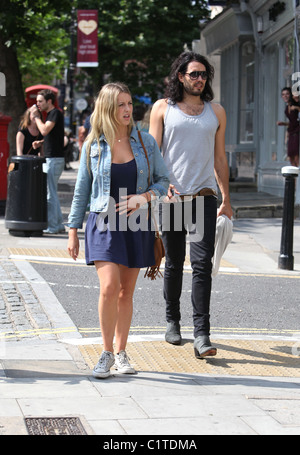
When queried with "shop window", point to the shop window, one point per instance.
{"points": [[271, 94], [247, 93], [289, 56]]}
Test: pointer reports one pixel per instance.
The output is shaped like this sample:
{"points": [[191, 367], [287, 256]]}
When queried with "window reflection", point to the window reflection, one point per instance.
{"points": [[247, 93]]}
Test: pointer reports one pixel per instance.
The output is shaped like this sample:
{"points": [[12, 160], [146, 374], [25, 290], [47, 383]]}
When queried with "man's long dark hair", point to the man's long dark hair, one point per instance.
{"points": [[174, 90]]}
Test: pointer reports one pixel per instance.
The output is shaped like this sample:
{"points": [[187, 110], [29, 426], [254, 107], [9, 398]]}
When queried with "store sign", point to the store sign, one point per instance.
{"points": [[87, 38]]}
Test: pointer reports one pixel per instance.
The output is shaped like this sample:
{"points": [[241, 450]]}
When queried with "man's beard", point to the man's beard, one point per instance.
{"points": [[193, 91]]}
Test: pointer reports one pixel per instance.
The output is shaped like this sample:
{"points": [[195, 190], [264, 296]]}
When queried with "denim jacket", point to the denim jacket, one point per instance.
{"points": [[93, 182]]}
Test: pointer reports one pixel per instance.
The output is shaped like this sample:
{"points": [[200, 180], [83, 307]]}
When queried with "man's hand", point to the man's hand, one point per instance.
{"points": [[225, 209], [34, 110], [37, 144]]}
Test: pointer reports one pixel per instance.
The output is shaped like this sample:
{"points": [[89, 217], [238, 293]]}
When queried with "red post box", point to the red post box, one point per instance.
{"points": [[4, 154]]}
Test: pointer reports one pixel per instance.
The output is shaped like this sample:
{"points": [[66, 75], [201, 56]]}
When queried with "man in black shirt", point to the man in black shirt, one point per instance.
{"points": [[53, 132]]}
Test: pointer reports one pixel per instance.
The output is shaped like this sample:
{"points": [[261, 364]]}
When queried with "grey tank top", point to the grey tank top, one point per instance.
{"points": [[188, 148]]}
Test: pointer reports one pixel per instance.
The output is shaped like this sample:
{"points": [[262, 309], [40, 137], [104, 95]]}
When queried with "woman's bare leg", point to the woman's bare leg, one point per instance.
{"points": [[109, 278], [128, 279]]}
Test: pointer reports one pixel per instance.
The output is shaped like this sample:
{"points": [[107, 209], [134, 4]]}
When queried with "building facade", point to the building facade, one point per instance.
{"points": [[257, 43]]}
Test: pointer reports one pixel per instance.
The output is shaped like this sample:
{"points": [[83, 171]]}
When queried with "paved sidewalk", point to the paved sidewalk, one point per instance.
{"points": [[46, 387]]}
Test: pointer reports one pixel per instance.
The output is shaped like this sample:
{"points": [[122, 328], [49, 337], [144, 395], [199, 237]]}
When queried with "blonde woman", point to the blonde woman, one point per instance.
{"points": [[113, 162], [29, 140]]}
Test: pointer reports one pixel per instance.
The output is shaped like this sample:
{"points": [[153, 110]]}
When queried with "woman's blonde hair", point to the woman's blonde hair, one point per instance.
{"points": [[104, 117], [25, 119]]}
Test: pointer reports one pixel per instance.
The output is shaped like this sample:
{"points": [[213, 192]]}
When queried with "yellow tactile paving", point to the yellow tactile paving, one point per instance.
{"points": [[59, 253], [235, 357], [42, 252]]}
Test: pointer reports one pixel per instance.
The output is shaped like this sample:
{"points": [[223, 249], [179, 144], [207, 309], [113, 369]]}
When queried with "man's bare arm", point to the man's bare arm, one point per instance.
{"points": [[157, 120], [221, 165], [44, 128]]}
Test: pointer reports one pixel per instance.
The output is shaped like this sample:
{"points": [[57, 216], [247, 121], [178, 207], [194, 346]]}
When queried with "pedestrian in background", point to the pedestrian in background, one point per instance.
{"points": [[138, 114], [292, 113], [190, 130], [29, 140], [145, 122], [83, 131], [53, 132], [82, 134], [87, 125], [113, 159], [68, 149]]}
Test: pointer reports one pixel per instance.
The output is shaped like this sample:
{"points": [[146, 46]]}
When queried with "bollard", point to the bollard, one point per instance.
{"points": [[286, 258]]}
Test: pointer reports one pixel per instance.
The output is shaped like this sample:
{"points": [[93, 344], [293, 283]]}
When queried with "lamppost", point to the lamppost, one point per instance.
{"points": [[71, 70]]}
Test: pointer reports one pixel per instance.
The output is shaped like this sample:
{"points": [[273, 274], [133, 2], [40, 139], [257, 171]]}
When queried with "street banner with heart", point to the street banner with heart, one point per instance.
{"points": [[87, 38]]}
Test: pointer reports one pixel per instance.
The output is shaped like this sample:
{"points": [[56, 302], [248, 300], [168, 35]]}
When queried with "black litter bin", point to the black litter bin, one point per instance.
{"points": [[26, 204]]}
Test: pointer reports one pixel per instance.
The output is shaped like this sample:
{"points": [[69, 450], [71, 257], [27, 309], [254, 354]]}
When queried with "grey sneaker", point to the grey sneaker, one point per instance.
{"points": [[102, 369], [172, 335], [203, 347], [122, 363]]}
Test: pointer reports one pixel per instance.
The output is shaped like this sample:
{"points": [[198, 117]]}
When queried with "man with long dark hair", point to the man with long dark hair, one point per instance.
{"points": [[190, 130]]}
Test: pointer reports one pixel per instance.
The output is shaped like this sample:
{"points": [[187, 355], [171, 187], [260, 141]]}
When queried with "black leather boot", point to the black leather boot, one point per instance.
{"points": [[172, 335], [203, 347]]}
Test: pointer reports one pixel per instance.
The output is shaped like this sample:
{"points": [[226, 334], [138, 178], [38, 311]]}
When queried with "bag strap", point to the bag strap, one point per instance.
{"points": [[146, 154], [152, 271], [149, 203], [35, 139]]}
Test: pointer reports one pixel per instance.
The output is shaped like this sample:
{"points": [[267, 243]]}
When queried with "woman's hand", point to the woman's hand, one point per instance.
{"points": [[73, 243], [131, 203]]}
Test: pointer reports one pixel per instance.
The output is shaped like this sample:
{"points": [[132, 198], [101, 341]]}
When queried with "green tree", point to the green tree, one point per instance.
{"points": [[31, 36], [138, 40]]}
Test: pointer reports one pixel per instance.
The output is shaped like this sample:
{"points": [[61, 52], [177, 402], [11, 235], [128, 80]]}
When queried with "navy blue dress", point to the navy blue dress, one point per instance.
{"points": [[117, 238]]}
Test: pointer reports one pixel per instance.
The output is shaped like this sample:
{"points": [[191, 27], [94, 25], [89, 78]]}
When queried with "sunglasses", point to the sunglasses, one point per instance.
{"points": [[194, 75]]}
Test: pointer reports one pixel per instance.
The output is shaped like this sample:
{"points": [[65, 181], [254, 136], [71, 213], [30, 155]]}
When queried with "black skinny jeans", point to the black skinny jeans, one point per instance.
{"points": [[201, 253]]}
